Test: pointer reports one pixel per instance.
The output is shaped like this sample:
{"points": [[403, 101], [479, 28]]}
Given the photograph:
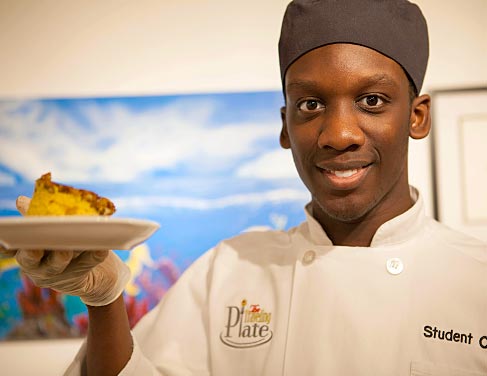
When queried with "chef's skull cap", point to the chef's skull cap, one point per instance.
{"points": [[395, 28]]}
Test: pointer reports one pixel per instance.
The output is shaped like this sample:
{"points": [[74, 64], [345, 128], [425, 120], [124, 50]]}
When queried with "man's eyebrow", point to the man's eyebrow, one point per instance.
{"points": [[378, 79], [300, 84]]}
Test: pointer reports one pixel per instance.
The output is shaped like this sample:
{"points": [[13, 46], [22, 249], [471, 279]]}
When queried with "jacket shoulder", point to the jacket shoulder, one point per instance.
{"points": [[458, 241]]}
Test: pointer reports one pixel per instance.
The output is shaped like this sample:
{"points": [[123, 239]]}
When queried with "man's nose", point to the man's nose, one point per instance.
{"points": [[340, 129]]}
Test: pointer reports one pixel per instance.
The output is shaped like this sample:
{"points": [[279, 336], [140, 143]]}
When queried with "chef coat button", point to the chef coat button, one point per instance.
{"points": [[309, 257], [394, 266]]}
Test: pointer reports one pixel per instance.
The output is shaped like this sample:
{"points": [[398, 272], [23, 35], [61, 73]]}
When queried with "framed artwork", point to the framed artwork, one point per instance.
{"points": [[460, 159], [206, 167]]}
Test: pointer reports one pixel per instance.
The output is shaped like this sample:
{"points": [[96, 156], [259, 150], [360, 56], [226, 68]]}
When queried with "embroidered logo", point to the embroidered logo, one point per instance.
{"points": [[246, 326]]}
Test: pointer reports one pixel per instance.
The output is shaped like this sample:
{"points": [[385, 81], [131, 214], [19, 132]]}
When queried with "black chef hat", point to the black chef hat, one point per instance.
{"points": [[395, 28]]}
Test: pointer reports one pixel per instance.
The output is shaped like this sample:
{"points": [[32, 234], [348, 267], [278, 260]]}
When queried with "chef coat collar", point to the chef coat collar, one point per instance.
{"points": [[396, 230]]}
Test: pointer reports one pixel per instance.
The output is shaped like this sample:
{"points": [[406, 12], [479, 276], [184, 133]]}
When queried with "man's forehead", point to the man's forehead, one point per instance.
{"points": [[362, 63], [299, 83]]}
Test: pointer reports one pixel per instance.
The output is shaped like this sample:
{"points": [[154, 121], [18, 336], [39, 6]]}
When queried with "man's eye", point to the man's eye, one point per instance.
{"points": [[372, 101], [310, 105]]}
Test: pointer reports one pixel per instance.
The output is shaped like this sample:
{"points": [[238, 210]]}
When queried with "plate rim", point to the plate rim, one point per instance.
{"points": [[20, 224], [74, 219]]}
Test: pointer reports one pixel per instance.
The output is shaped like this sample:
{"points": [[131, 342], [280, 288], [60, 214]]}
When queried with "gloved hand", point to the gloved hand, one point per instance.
{"points": [[97, 277]]}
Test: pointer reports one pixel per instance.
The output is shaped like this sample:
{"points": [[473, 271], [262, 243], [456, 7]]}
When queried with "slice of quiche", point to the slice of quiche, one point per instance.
{"points": [[51, 198]]}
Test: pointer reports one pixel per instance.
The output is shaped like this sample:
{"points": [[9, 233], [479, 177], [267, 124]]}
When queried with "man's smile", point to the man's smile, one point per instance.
{"points": [[345, 177]]}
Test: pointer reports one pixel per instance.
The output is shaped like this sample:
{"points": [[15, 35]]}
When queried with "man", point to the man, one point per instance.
{"points": [[366, 286]]}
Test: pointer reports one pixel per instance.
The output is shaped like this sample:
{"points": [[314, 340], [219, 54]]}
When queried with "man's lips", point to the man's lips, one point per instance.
{"points": [[345, 176]]}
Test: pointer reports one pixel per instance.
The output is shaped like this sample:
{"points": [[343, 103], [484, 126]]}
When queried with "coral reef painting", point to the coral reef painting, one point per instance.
{"points": [[43, 311]]}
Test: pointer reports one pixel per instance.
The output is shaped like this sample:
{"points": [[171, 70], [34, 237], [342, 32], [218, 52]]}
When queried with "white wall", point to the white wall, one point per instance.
{"points": [[458, 58], [112, 47], [119, 47]]}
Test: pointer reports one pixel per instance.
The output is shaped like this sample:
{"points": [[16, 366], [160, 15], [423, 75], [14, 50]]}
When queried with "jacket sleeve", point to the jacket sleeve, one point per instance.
{"points": [[171, 339]]}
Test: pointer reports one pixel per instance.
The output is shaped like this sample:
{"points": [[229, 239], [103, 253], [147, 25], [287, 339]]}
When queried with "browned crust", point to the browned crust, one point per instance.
{"points": [[103, 205]]}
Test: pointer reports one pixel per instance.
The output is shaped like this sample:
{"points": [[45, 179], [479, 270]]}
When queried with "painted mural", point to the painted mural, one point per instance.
{"points": [[206, 167]]}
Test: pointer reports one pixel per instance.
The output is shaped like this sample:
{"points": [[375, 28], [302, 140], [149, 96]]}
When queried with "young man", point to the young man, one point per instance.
{"points": [[367, 285]]}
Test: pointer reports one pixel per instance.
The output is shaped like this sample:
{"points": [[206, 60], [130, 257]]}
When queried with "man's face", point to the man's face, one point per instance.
{"points": [[347, 120]]}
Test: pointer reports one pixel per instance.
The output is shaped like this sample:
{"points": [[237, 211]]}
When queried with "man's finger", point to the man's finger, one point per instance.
{"points": [[56, 261], [29, 259], [22, 204], [6, 253], [86, 261]]}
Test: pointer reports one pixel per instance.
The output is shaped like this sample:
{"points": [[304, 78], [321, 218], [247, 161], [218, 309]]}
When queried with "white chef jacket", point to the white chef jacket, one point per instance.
{"points": [[292, 303]]}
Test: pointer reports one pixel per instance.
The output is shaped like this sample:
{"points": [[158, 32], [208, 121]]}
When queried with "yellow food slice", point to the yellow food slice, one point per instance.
{"points": [[51, 198]]}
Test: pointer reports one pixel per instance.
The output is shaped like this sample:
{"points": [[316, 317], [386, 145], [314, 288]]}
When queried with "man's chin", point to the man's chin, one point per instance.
{"points": [[346, 217], [351, 213]]}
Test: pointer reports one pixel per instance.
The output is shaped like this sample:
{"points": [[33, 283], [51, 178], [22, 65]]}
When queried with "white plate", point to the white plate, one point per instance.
{"points": [[74, 232]]}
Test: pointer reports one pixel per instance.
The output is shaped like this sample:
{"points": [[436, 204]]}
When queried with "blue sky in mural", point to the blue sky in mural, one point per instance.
{"points": [[206, 167], [209, 162]]}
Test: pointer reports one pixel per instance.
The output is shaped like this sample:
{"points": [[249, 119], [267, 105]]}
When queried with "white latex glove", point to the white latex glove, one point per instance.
{"points": [[97, 277]]}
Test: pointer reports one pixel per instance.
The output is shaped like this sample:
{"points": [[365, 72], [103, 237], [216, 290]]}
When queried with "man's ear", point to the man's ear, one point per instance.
{"points": [[284, 136], [420, 120]]}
